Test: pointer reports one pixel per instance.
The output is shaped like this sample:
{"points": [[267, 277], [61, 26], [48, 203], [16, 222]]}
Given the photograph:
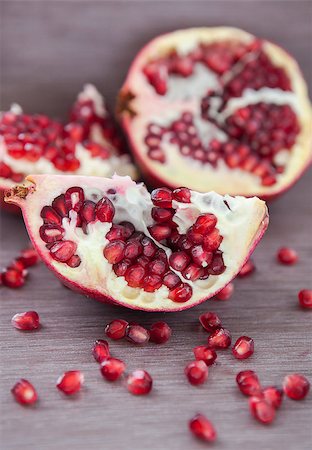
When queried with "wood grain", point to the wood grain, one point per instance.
{"points": [[48, 50]]}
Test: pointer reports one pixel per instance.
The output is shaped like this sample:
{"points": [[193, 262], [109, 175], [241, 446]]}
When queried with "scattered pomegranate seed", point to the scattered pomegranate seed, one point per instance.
{"points": [[196, 372], [182, 195], [202, 428], [26, 321], [220, 339], [70, 382], [261, 410], [287, 256], [160, 332], [273, 396], [226, 292], [100, 350], [248, 383], [137, 334], [247, 269], [29, 257], [13, 278], [112, 369], [206, 354], [116, 329], [243, 347], [24, 392], [305, 298], [210, 321], [296, 386], [139, 382]]}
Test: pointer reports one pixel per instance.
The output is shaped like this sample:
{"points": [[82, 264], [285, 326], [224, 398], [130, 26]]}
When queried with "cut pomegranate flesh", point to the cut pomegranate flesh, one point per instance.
{"points": [[296, 386], [202, 428], [243, 347], [70, 382], [248, 383], [26, 321], [24, 392], [139, 382], [196, 372], [305, 298], [112, 368]]}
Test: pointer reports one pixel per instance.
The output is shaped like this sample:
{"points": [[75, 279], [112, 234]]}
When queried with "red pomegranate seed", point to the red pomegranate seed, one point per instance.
{"points": [[60, 206], [18, 265], [261, 410], [212, 240], [13, 278], [152, 282], [116, 329], [62, 251], [29, 257], [210, 321], [100, 350], [139, 382], [248, 383], [200, 256], [305, 298], [160, 232], [114, 251], [137, 334], [196, 372], [202, 428], [181, 293], [287, 256], [160, 332], [182, 195], [171, 280], [193, 272], [296, 386], [28, 320], [161, 215], [70, 382], [220, 339], [112, 369], [74, 261], [206, 354], [149, 248], [87, 212], [273, 396], [134, 276], [157, 266], [205, 223], [121, 268], [243, 347], [24, 392], [105, 210], [179, 260], [74, 198], [226, 292], [133, 249], [51, 233], [247, 269], [162, 197]]}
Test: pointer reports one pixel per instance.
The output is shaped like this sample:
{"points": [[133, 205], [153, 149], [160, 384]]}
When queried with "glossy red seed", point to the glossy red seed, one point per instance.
{"points": [[28, 320], [74, 261], [105, 210], [261, 410], [87, 211], [182, 195], [226, 292], [287, 256], [149, 248], [162, 197], [62, 251], [212, 240], [51, 233], [220, 339], [139, 382], [70, 382], [243, 347], [18, 265], [50, 216], [182, 293], [116, 329], [134, 275], [112, 369], [13, 278], [114, 251], [248, 382], [206, 354], [216, 266], [161, 215], [133, 249], [210, 321], [205, 223], [171, 280], [100, 350], [152, 282], [305, 298], [196, 372], [160, 232], [24, 392], [137, 334], [74, 198], [273, 396], [179, 260], [202, 428], [296, 386], [60, 206], [121, 268], [247, 269], [29, 257], [200, 256], [160, 332]]}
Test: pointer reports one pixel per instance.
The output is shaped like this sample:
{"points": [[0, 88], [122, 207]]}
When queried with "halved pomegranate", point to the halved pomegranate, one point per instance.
{"points": [[101, 237], [219, 108], [89, 144]]}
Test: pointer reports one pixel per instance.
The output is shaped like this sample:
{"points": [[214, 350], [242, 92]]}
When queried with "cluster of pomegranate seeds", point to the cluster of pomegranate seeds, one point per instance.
{"points": [[14, 276], [159, 333], [100, 350], [287, 256], [305, 298], [202, 428], [70, 382], [247, 269], [226, 292], [26, 321], [296, 386], [24, 392], [139, 382], [243, 347], [112, 368]]}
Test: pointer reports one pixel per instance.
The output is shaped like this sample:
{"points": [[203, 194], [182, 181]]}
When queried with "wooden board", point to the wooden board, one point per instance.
{"points": [[49, 49]]}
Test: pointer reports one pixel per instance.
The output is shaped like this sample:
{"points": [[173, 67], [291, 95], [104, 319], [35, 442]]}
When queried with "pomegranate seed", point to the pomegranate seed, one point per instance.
{"points": [[287, 256], [133, 249], [157, 266], [105, 210], [129, 228], [171, 280], [51, 233], [100, 350], [247, 269], [151, 283], [121, 268], [248, 383], [181, 293], [202, 428], [134, 276], [137, 334], [161, 215], [182, 195], [149, 248], [220, 338], [160, 332], [112, 369], [179, 260], [193, 237], [212, 240], [60, 206], [216, 266], [296, 386], [18, 265], [62, 251], [13, 278], [74, 261], [205, 223], [196, 372], [116, 329], [29, 257], [74, 198], [114, 251], [206, 354], [261, 410], [87, 212], [273, 396], [139, 382], [200, 256], [210, 321], [193, 272], [305, 298], [160, 232], [24, 392], [162, 197], [226, 292], [70, 382], [243, 347], [26, 321]]}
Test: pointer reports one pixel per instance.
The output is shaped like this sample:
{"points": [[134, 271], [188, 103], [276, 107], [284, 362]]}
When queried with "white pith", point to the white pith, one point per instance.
{"points": [[93, 166], [240, 227], [152, 108]]}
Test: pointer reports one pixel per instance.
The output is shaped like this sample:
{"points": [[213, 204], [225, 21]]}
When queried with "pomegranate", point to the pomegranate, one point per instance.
{"points": [[220, 108], [89, 144], [98, 235]]}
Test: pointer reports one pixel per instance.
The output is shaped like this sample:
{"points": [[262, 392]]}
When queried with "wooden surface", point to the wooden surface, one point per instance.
{"points": [[49, 49]]}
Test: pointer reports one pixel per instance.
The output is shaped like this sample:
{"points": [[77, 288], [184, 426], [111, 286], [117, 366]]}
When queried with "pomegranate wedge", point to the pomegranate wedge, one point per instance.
{"points": [[219, 108], [122, 252]]}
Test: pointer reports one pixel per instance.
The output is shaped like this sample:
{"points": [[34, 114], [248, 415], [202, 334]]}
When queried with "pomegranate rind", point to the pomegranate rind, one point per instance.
{"points": [[241, 221], [143, 105]]}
